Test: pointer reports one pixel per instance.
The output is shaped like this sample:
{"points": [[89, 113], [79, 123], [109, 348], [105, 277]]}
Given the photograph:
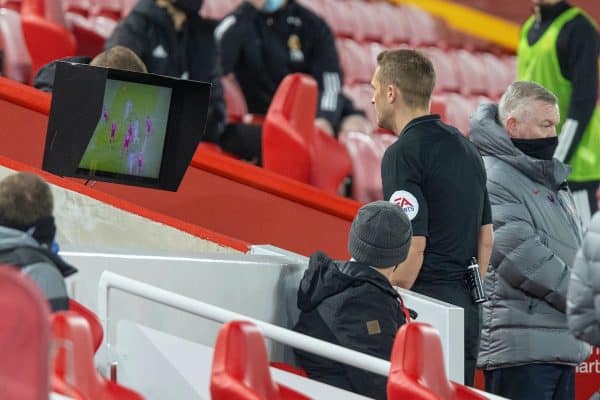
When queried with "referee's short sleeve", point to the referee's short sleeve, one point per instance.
{"points": [[402, 178], [486, 218]]}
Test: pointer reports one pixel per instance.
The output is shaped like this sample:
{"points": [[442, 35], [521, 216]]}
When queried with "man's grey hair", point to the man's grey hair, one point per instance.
{"points": [[519, 95], [24, 199]]}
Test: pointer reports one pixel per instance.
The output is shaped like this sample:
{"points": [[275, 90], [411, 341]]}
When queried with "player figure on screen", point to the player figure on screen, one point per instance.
{"points": [[140, 162], [128, 107], [131, 159], [104, 113], [113, 131], [148, 125], [136, 131], [128, 138]]}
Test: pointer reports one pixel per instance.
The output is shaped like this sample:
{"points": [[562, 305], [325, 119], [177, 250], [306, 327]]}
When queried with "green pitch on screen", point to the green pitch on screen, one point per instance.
{"points": [[124, 104]]}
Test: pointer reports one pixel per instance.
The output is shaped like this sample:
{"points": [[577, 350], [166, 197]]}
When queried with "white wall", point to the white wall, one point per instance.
{"points": [[84, 222]]}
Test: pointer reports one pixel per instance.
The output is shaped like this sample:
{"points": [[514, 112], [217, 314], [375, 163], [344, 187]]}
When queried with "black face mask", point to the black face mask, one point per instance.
{"points": [[542, 149], [44, 231], [190, 7]]}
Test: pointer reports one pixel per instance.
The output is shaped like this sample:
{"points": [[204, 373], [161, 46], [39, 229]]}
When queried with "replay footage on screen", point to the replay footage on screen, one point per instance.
{"points": [[129, 138]]}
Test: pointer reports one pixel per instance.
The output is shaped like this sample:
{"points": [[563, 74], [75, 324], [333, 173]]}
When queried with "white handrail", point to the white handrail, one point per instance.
{"points": [[110, 280]]}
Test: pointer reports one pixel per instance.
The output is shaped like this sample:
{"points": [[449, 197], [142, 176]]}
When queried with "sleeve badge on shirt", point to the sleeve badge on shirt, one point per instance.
{"points": [[407, 201]]}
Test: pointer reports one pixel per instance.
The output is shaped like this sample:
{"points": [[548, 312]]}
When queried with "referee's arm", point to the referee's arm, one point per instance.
{"points": [[485, 240]]}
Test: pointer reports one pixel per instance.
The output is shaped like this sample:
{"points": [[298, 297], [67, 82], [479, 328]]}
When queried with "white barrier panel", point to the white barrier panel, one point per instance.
{"points": [[110, 281], [446, 318], [250, 285], [181, 369], [84, 222]]}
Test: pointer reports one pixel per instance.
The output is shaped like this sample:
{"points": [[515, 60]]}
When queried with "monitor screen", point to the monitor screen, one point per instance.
{"points": [[123, 127], [129, 138]]}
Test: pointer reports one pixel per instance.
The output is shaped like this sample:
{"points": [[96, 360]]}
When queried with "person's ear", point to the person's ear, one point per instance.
{"points": [[391, 94], [511, 126]]}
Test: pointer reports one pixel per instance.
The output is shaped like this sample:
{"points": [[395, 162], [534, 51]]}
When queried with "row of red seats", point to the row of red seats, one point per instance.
{"points": [[456, 70], [68, 339], [240, 369]]}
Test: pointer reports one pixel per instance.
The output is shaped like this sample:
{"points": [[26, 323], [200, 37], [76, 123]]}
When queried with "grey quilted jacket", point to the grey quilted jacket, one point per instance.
{"points": [[536, 236], [583, 299]]}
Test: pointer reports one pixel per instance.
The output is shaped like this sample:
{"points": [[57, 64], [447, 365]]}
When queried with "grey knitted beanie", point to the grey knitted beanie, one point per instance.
{"points": [[380, 235]]}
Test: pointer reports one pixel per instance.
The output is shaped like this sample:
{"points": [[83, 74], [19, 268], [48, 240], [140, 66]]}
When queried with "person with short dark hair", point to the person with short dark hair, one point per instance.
{"points": [[119, 57], [438, 178], [352, 303], [27, 233], [526, 349]]}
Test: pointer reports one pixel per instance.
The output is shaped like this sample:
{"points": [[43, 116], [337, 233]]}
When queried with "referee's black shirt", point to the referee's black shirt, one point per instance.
{"points": [[437, 176]]}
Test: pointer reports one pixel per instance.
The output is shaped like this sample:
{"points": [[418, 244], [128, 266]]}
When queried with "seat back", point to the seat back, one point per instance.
{"points": [[17, 61], [329, 171], [235, 100], [417, 370], [471, 72], [240, 367], [23, 338], [73, 364], [366, 156], [92, 320], [43, 22], [288, 129]]}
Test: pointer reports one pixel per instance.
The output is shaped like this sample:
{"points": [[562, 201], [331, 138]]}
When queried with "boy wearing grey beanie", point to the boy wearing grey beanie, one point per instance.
{"points": [[352, 303]]}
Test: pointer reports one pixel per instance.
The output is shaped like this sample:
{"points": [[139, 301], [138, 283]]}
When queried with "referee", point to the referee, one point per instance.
{"points": [[438, 178]]}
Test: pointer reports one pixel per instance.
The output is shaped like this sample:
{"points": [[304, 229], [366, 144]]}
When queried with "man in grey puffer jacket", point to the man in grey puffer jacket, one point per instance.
{"points": [[583, 306], [526, 350]]}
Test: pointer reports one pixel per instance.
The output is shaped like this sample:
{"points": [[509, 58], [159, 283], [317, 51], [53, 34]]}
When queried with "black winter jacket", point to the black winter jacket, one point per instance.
{"points": [[350, 304], [261, 49], [190, 53]]}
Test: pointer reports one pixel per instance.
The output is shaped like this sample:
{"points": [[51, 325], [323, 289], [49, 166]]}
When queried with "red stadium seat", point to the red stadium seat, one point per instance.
{"points": [[447, 79], [395, 27], [289, 127], [330, 163], [112, 9], [341, 19], [81, 7], [73, 367], [92, 320], [361, 95], [366, 157], [472, 74], [89, 41], [510, 64], [497, 74], [423, 26], [234, 99], [369, 15], [45, 31], [24, 338], [356, 61], [17, 62], [417, 370], [14, 5], [458, 110], [240, 369], [291, 144]]}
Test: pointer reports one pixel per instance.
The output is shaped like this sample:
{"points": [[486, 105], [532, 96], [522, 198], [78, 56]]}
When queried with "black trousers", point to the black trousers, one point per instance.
{"points": [[532, 382], [456, 293]]}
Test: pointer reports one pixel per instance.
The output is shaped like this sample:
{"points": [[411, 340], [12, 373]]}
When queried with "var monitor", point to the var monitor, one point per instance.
{"points": [[123, 127]]}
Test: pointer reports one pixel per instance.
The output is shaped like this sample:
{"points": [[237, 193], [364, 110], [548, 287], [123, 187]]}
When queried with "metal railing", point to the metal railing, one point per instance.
{"points": [[111, 281]]}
